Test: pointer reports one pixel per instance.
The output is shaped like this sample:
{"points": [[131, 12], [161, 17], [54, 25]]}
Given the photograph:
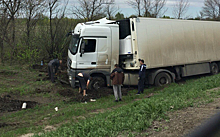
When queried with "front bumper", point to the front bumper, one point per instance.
{"points": [[72, 78]]}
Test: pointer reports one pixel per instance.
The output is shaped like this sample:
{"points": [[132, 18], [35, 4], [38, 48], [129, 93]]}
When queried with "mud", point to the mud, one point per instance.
{"points": [[37, 90], [72, 94], [91, 94], [41, 68], [6, 72], [8, 124], [7, 104]]}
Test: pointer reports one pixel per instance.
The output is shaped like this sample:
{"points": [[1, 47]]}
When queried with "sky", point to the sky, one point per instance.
{"points": [[194, 8]]}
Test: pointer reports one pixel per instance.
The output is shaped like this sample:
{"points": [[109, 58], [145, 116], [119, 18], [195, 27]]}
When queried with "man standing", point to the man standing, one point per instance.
{"points": [[84, 79], [117, 77], [53, 67], [142, 76]]}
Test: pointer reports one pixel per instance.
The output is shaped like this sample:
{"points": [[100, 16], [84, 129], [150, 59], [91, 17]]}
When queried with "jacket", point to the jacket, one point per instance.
{"points": [[86, 76], [117, 76], [142, 71], [55, 63]]}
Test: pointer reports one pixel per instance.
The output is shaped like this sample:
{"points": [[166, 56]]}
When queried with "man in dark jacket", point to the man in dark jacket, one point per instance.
{"points": [[53, 67], [84, 79], [142, 76], [117, 77]]}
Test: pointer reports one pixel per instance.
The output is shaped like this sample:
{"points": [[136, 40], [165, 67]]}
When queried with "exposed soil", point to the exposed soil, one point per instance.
{"points": [[13, 102], [91, 94], [62, 79], [8, 105], [183, 122], [41, 68]]}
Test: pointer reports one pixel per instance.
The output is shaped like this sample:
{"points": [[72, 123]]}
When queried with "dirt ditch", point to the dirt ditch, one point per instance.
{"points": [[72, 94], [7, 104], [7, 72]]}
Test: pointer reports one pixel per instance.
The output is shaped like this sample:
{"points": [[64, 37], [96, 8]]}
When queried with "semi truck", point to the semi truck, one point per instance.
{"points": [[172, 49]]}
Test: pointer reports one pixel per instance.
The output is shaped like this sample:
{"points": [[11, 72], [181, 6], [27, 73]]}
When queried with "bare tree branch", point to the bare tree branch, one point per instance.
{"points": [[211, 9], [89, 9], [111, 9], [136, 5], [31, 10], [148, 8], [13, 6], [158, 6], [180, 8]]}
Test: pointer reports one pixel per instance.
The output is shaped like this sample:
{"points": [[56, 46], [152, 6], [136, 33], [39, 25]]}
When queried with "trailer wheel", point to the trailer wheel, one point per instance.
{"points": [[214, 68], [97, 83], [162, 79]]}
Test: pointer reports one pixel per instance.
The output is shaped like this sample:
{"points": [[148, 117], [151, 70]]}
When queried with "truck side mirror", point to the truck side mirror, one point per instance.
{"points": [[68, 34], [82, 48]]}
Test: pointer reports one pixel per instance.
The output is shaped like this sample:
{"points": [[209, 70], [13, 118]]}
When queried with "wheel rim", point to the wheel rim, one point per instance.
{"points": [[214, 69], [163, 80], [96, 85]]}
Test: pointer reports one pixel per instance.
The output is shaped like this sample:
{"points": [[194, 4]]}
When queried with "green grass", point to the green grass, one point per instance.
{"points": [[17, 79], [124, 118], [138, 116]]}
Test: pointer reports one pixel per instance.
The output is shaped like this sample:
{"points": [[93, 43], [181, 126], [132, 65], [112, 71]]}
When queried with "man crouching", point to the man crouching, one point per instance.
{"points": [[84, 79], [117, 77]]}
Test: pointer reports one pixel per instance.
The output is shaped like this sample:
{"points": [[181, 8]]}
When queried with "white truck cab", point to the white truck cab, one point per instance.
{"points": [[94, 48]]}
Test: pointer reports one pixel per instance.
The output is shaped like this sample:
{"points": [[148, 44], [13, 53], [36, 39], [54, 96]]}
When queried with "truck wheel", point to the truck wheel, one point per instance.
{"points": [[214, 68], [162, 79], [97, 83]]}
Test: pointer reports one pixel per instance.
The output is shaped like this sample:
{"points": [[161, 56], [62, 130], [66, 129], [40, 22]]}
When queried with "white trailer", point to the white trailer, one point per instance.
{"points": [[172, 49]]}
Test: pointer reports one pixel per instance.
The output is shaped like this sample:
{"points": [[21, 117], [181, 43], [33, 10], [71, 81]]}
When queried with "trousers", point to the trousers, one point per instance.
{"points": [[51, 73], [82, 82], [117, 91], [141, 85]]}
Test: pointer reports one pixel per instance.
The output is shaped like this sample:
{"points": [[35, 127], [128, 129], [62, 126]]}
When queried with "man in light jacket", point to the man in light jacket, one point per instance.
{"points": [[117, 77]]}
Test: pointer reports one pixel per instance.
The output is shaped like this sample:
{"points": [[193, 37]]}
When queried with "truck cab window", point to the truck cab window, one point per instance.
{"points": [[90, 45], [74, 44]]}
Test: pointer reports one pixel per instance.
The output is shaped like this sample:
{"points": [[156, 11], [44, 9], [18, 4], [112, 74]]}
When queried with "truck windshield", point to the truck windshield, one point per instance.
{"points": [[74, 44]]}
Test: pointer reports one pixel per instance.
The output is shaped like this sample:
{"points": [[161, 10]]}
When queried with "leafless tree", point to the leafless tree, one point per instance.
{"points": [[4, 23], [180, 8], [200, 15], [89, 9], [56, 14], [13, 7], [111, 9], [158, 8], [148, 8], [136, 5], [211, 9], [31, 10]]}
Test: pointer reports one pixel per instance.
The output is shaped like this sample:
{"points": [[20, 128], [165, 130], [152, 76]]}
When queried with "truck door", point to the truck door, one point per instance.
{"points": [[104, 54], [87, 60]]}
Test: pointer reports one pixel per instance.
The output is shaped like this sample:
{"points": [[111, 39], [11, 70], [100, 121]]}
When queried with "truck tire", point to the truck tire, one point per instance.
{"points": [[96, 83], [162, 79], [214, 68]]}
